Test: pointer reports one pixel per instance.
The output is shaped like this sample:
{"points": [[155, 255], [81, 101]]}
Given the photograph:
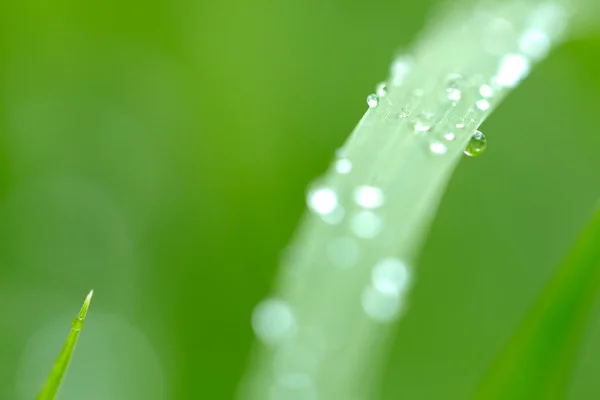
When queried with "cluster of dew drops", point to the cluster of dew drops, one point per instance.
{"points": [[478, 142]]}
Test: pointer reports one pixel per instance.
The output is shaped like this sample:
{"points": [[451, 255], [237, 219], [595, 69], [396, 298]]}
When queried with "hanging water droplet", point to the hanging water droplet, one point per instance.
{"points": [[372, 100], [381, 89], [476, 145]]}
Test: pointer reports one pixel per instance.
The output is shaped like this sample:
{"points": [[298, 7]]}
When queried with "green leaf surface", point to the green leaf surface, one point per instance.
{"points": [[538, 360], [60, 366]]}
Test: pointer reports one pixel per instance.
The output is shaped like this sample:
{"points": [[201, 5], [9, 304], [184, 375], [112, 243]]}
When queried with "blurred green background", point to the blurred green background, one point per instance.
{"points": [[158, 152]]}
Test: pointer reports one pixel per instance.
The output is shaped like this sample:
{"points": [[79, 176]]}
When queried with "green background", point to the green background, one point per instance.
{"points": [[158, 152]]}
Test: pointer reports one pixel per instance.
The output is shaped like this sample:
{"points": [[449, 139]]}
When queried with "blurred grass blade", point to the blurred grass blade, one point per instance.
{"points": [[60, 366], [538, 360]]}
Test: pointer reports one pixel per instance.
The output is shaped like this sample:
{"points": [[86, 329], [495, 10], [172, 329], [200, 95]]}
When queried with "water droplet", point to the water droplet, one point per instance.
{"points": [[390, 276], [445, 131], [454, 83], [368, 197], [534, 43], [372, 100], [476, 145], [323, 201], [483, 104], [77, 324], [399, 69], [423, 122], [334, 217], [366, 224], [343, 166], [438, 147], [343, 252], [403, 113], [381, 89], [273, 321], [454, 95], [486, 91], [380, 306], [512, 68]]}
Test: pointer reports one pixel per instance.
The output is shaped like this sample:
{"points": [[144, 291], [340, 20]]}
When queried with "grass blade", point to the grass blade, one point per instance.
{"points": [[60, 366], [344, 280], [538, 360]]}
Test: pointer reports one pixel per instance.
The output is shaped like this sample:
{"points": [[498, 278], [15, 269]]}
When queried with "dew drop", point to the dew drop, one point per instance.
{"points": [[438, 148], [368, 196], [323, 201], [512, 68], [476, 145], [334, 217], [343, 166], [380, 306], [446, 132], [453, 86], [483, 104], [534, 43], [381, 89], [372, 100], [390, 276], [486, 91], [272, 321], [453, 95], [77, 324], [423, 122], [366, 224], [403, 114], [399, 69]]}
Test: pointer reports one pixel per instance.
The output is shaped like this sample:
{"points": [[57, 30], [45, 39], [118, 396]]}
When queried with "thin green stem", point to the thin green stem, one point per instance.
{"points": [[62, 362]]}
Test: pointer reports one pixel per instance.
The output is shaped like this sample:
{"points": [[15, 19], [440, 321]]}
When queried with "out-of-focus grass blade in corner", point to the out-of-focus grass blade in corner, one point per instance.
{"points": [[60, 366], [538, 360]]}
